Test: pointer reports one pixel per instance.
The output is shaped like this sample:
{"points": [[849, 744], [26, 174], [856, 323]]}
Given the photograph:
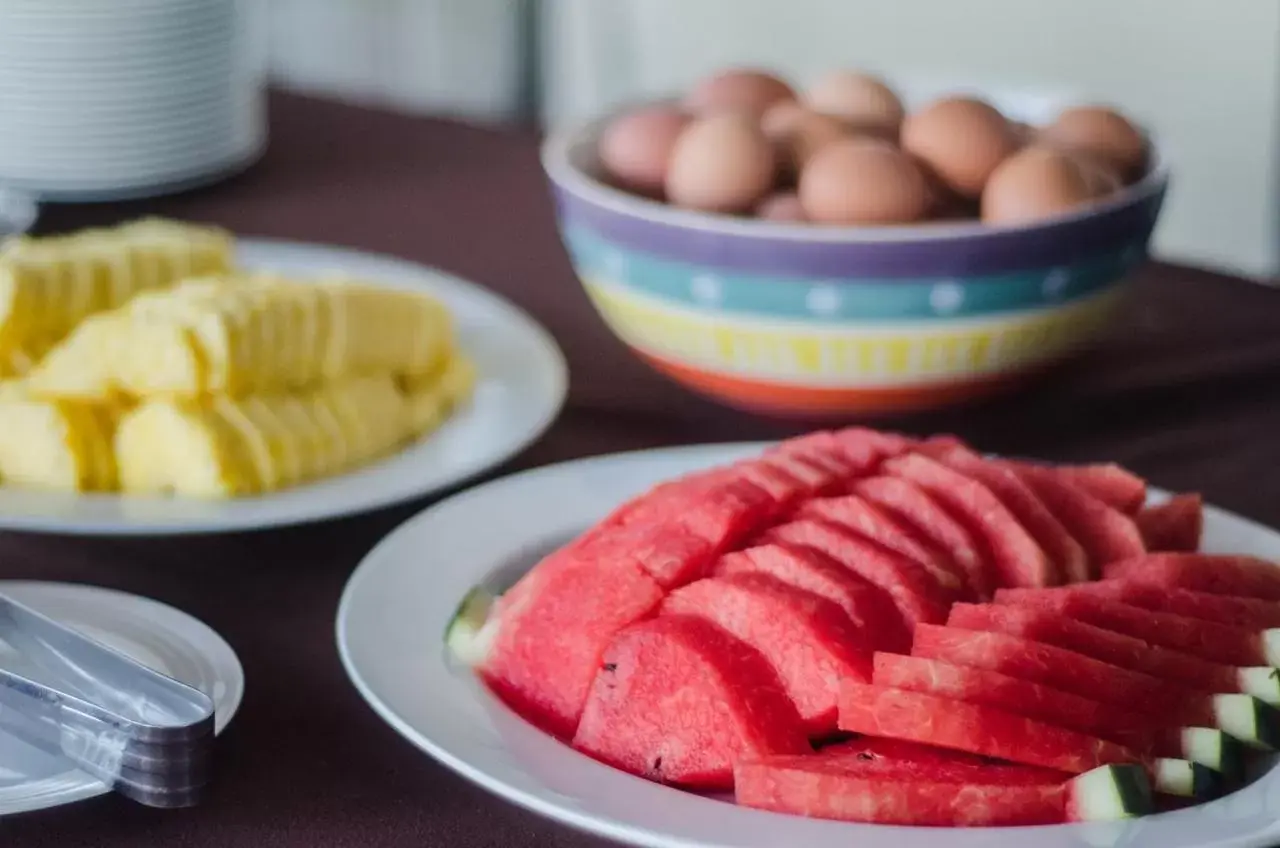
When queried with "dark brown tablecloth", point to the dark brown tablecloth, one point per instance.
{"points": [[1187, 391]]}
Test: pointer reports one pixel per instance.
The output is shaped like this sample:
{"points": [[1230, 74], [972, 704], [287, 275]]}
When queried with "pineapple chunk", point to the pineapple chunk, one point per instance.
{"points": [[54, 445]]}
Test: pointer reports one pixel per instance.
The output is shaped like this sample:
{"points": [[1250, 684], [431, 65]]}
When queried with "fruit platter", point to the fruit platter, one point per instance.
{"points": [[851, 629]]}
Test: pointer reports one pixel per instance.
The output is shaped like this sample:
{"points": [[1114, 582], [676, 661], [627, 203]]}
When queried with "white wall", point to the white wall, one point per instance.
{"points": [[1202, 73]]}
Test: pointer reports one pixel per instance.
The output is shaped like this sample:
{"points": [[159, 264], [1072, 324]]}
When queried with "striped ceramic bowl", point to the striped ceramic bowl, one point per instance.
{"points": [[805, 320]]}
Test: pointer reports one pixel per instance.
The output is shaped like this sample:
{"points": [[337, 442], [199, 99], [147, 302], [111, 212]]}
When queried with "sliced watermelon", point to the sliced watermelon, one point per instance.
{"points": [[1175, 525], [920, 510], [1110, 483], [679, 701], [1225, 609], [914, 590], [784, 487], [939, 794], [822, 448], [896, 750], [1018, 560], [1060, 546], [1245, 576], [1220, 643], [867, 447], [1053, 628], [1243, 716], [879, 525], [808, 640], [720, 506], [947, 723], [815, 477], [869, 607], [670, 553], [1209, 747], [1106, 533], [539, 645]]}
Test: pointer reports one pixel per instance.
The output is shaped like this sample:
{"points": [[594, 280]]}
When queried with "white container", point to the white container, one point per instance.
{"points": [[109, 99]]}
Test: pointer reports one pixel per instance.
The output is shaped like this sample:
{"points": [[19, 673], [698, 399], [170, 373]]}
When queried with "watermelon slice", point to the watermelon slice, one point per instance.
{"points": [[869, 608], [808, 640], [880, 526], [1220, 643], [1206, 746], [1246, 576], [1060, 546], [1018, 560], [785, 488], [920, 510], [539, 645], [1163, 703], [720, 506], [1110, 483], [679, 701], [1053, 628], [896, 750], [867, 447], [1175, 525], [670, 553], [913, 589], [1224, 609], [939, 794], [816, 478], [947, 723], [1106, 533], [822, 448]]}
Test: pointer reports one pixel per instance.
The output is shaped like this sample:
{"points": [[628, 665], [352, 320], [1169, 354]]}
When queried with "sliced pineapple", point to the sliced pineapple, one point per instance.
{"points": [[54, 445], [431, 400]]}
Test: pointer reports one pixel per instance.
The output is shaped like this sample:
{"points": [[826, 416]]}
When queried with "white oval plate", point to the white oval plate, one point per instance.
{"points": [[153, 633], [520, 388], [390, 630]]}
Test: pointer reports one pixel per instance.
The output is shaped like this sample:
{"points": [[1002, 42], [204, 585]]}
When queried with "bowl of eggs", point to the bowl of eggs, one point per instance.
{"points": [[842, 250]]}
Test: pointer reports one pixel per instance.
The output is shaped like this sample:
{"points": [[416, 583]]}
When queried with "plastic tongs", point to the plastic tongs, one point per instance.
{"points": [[145, 735]]}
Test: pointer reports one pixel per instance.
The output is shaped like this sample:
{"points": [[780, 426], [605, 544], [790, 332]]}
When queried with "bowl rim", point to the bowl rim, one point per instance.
{"points": [[557, 161]]}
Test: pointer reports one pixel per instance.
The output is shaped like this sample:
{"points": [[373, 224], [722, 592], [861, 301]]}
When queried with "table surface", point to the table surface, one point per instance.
{"points": [[1186, 392]]}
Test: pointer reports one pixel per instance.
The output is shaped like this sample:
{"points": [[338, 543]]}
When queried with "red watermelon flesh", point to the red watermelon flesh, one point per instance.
{"points": [[1067, 670], [824, 449], [668, 552], [552, 627], [918, 509], [1110, 483], [1018, 559], [679, 701], [784, 487], [1252, 613], [1106, 533], [866, 519], [1066, 554], [808, 640], [1052, 628], [1033, 700], [916, 794], [1175, 525], [895, 750], [816, 478], [1245, 576], [723, 511], [913, 589], [868, 607], [989, 732], [1209, 640]]}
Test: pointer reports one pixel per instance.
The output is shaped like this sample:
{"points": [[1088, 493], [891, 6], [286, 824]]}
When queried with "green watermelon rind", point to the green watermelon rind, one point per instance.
{"points": [[1248, 719], [1262, 682], [1186, 779], [1215, 749], [1111, 793], [469, 633]]}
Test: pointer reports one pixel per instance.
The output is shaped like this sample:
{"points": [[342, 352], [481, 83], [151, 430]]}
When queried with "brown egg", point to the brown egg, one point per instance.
{"points": [[635, 147], [1102, 176], [721, 163], [784, 206], [860, 99], [738, 90], [961, 140], [1101, 132], [1033, 184], [863, 181], [797, 133]]}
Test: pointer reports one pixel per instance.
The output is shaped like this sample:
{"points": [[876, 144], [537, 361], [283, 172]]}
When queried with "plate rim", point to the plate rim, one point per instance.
{"points": [[548, 351], [1136, 832]]}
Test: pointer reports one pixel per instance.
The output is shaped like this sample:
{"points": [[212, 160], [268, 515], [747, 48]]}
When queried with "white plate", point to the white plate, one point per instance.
{"points": [[390, 631], [153, 633], [521, 386]]}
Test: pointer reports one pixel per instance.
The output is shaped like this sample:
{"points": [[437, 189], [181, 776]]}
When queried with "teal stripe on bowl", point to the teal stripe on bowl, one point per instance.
{"points": [[834, 300]]}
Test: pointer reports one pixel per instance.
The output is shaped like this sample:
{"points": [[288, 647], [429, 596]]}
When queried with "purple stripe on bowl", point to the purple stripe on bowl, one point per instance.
{"points": [[952, 255]]}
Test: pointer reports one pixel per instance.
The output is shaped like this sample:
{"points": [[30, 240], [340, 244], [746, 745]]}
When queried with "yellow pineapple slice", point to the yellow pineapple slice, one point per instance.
{"points": [[53, 445], [168, 446]]}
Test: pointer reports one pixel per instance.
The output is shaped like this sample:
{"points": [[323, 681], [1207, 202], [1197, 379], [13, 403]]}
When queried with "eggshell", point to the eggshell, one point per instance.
{"points": [[738, 90], [721, 163], [797, 133], [1035, 183], [860, 99], [1101, 132], [635, 147], [961, 140], [1102, 176], [784, 207], [863, 181]]}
